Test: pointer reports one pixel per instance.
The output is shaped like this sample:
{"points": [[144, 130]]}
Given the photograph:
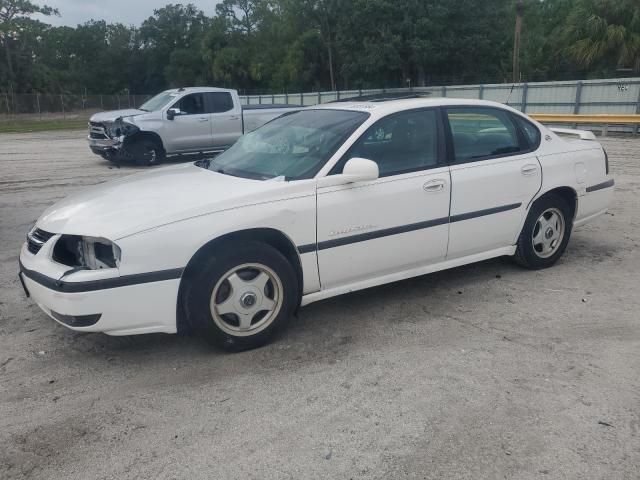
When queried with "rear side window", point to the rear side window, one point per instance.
{"points": [[482, 133], [219, 102], [400, 143], [531, 132]]}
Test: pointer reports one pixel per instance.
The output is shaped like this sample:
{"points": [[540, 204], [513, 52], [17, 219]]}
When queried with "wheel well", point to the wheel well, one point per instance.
{"points": [[270, 236], [142, 135], [569, 195]]}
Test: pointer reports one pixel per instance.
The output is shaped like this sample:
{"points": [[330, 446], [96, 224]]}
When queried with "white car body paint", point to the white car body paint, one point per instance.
{"points": [[348, 237]]}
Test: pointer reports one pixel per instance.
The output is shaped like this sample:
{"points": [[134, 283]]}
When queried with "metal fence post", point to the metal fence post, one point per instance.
{"points": [[576, 107], [525, 92], [301, 98], [286, 98], [6, 99], [62, 103], [337, 94], [319, 98], [444, 90], [635, 127], [38, 104], [259, 99], [481, 92]]}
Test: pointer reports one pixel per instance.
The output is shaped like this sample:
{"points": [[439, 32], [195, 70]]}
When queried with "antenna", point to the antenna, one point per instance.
{"points": [[510, 92]]}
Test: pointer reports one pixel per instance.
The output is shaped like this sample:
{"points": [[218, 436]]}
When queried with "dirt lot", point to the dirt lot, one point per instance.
{"points": [[483, 372]]}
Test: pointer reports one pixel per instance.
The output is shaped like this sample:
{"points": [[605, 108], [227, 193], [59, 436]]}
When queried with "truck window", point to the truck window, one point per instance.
{"points": [[192, 104], [219, 102]]}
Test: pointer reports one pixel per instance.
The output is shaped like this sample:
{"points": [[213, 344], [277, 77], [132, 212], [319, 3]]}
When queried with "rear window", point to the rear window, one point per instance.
{"points": [[531, 132]]}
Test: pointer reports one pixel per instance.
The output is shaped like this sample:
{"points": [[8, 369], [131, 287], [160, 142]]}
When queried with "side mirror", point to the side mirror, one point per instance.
{"points": [[173, 113], [355, 170]]}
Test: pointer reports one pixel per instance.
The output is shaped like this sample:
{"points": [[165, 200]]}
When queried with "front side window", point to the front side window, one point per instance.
{"points": [[480, 133], [192, 104], [400, 143], [219, 102], [294, 146]]}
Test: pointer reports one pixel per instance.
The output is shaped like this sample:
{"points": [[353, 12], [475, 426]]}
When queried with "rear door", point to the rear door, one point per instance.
{"points": [[494, 175], [226, 119], [367, 230], [191, 129]]}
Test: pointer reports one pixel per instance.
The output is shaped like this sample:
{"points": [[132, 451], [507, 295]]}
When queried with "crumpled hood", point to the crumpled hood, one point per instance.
{"points": [[129, 205], [112, 115]]}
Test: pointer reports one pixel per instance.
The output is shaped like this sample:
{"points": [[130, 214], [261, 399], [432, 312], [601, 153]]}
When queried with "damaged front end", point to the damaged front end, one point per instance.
{"points": [[109, 139]]}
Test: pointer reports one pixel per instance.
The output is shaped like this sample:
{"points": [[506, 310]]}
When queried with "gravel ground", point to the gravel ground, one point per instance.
{"points": [[482, 372]]}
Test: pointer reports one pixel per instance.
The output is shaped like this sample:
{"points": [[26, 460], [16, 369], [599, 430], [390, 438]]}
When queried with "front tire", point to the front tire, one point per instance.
{"points": [[241, 295], [545, 234], [147, 152]]}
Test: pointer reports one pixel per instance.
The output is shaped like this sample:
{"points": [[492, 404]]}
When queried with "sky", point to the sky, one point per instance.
{"points": [[73, 12]]}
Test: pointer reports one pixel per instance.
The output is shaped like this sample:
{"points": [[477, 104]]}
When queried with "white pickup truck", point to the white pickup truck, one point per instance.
{"points": [[178, 121]]}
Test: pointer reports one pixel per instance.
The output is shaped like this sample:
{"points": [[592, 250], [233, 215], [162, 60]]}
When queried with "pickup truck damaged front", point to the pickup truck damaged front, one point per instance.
{"points": [[108, 139]]}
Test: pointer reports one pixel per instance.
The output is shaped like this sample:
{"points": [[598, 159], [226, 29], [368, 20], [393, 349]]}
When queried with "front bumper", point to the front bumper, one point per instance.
{"points": [[104, 144], [101, 300]]}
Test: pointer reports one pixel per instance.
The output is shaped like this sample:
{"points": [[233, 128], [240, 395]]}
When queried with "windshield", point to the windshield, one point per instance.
{"points": [[159, 101], [294, 146]]}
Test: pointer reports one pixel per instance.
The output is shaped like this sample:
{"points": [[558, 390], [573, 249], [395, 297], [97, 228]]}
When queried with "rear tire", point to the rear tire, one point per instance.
{"points": [[241, 295], [545, 234]]}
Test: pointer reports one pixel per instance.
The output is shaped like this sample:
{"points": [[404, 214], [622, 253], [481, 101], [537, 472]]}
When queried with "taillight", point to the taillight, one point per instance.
{"points": [[606, 161]]}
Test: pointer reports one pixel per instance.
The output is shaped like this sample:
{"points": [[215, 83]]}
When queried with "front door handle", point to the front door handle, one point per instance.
{"points": [[234, 118], [529, 169], [203, 119], [433, 186]]}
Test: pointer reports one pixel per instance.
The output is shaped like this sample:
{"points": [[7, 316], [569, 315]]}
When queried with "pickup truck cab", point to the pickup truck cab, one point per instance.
{"points": [[178, 121]]}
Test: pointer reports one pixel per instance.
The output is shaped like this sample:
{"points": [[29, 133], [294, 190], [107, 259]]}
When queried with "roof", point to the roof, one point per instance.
{"points": [[382, 108], [199, 89]]}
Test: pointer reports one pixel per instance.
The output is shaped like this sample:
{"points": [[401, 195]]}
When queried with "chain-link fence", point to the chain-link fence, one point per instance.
{"points": [[50, 106], [614, 96]]}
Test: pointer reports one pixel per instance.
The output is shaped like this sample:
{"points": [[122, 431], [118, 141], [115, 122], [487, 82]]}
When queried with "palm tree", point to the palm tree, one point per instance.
{"points": [[604, 34]]}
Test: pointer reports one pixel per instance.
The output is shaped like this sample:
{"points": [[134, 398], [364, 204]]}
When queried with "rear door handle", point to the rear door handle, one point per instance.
{"points": [[529, 169], [203, 119], [433, 186]]}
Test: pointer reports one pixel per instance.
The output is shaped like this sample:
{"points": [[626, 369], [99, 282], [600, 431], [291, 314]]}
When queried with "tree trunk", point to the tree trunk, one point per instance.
{"points": [[330, 52], [516, 49], [7, 51]]}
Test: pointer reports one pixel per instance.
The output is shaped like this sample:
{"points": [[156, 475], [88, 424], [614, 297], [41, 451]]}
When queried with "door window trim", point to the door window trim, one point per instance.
{"points": [[523, 143], [204, 104], [441, 160]]}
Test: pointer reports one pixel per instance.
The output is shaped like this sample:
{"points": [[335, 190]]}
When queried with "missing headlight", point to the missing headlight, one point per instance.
{"points": [[88, 252]]}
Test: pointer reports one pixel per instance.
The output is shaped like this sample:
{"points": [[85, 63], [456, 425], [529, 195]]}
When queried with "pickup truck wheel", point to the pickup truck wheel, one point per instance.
{"points": [[241, 296], [147, 152], [545, 234]]}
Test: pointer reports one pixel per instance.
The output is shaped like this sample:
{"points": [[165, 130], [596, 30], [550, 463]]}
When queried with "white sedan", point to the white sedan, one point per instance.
{"points": [[314, 204]]}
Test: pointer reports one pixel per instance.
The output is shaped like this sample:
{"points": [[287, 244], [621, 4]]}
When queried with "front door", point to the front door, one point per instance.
{"points": [[397, 222], [494, 176], [191, 129]]}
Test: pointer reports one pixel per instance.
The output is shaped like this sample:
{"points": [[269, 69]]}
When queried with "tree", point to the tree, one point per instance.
{"points": [[13, 14], [604, 35]]}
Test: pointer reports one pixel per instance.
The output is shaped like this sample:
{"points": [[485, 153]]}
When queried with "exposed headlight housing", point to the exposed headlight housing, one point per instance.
{"points": [[86, 252]]}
